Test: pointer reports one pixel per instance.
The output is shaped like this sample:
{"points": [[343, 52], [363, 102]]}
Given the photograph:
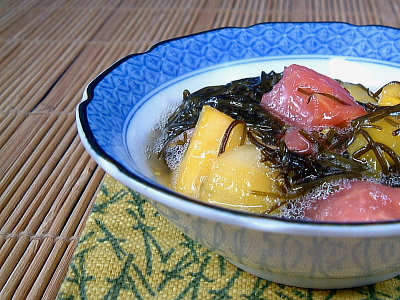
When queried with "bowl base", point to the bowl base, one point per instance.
{"points": [[315, 283]]}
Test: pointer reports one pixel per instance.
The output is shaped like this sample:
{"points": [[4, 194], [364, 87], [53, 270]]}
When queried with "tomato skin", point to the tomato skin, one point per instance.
{"points": [[301, 99], [358, 201]]}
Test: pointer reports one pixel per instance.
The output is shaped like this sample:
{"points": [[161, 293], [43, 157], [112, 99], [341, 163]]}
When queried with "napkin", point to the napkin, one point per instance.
{"points": [[129, 251]]}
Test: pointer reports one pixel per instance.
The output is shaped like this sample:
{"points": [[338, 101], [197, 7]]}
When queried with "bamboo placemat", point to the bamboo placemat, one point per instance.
{"points": [[50, 50]]}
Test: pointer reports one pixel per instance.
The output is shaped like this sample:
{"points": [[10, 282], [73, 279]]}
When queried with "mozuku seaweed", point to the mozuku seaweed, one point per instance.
{"points": [[240, 99]]}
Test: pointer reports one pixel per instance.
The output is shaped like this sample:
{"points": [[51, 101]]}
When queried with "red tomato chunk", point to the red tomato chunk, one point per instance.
{"points": [[305, 98], [296, 142], [358, 201]]}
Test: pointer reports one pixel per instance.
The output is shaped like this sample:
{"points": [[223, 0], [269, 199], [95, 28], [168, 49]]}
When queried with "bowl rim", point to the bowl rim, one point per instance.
{"points": [[149, 189]]}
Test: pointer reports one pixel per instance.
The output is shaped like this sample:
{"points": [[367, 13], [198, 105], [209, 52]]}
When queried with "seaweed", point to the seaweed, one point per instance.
{"points": [[381, 151], [225, 138], [302, 172], [330, 161], [239, 99]]}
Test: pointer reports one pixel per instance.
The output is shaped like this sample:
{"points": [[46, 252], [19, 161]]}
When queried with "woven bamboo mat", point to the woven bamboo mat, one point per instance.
{"points": [[50, 50]]}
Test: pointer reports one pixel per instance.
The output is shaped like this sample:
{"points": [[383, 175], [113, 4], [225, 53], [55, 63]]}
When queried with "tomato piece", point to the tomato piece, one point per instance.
{"points": [[296, 142], [358, 201], [306, 98]]}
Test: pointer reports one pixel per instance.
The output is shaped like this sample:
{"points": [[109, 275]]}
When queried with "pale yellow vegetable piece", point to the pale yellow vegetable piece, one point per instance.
{"points": [[381, 132], [359, 92], [203, 149], [239, 180], [390, 95]]}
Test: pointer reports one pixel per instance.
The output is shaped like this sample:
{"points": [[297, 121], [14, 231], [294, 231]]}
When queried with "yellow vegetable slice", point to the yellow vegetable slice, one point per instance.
{"points": [[390, 95], [203, 148], [239, 180], [381, 132], [359, 92]]}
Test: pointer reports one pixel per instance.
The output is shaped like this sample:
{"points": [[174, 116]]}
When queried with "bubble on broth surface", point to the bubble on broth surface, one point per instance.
{"points": [[175, 151], [392, 180], [164, 117], [174, 156], [158, 127], [296, 208]]}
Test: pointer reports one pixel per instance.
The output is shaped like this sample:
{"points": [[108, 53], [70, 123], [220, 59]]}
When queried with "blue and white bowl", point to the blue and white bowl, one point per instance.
{"points": [[121, 106]]}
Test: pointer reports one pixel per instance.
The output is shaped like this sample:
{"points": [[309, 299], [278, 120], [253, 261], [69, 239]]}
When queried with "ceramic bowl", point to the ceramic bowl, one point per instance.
{"points": [[121, 106]]}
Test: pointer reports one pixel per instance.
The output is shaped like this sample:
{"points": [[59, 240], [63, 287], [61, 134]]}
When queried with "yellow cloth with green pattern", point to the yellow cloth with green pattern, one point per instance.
{"points": [[129, 251]]}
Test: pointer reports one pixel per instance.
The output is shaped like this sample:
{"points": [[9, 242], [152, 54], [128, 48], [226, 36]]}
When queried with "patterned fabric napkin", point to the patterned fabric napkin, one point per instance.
{"points": [[129, 251]]}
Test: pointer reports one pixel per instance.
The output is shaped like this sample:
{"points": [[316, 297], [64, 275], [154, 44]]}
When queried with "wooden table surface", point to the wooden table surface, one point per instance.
{"points": [[50, 50]]}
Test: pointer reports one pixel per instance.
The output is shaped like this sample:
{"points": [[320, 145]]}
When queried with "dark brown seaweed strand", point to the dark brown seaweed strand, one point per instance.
{"points": [[343, 140], [377, 127], [252, 135], [286, 186], [311, 94], [305, 92], [370, 106], [309, 137], [391, 153], [227, 134], [304, 186], [376, 115], [360, 152], [396, 132], [380, 157], [275, 207], [392, 122], [284, 153], [330, 136], [346, 162], [254, 140], [184, 141], [186, 94], [313, 138], [375, 118], [376, 94], [266, 156]]}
